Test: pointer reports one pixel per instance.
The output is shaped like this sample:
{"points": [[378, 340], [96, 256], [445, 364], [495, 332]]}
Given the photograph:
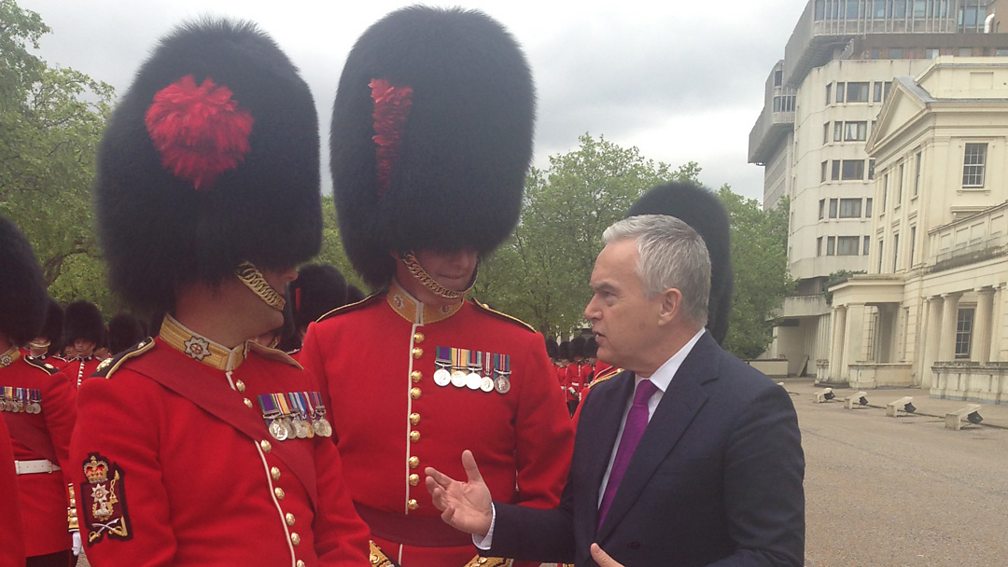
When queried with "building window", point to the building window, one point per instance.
{"points": [[931, 53], [850, 208], [778, 77], [899, 188], [835, 170], [920, 8], [829, 93], [848, 245], [825, 169], [867, 246], [895, 53], [841, 89], [917, 173], [852, 12], [838, 131], [899, 9], [964, 332], [881, 249], [825, 133], [853, 169], [880, 9], [974, 161], [833, 208], [913, 244], [871, 169], [965, 52], [818, 246], [830, 246], [822, 207], [855, 131], [895, 252], [877, 91], [867, 208], [857, 92], [885, 191]]}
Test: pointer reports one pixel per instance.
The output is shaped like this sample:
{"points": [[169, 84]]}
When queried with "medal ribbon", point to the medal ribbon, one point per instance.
{"points": [[443, 357], [268, 406], [281, 401], [475, 360], [460, 357], [317, 402]]}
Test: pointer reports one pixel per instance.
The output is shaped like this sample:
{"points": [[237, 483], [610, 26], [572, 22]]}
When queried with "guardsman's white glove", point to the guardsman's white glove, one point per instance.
{"points": [[76, 544]]}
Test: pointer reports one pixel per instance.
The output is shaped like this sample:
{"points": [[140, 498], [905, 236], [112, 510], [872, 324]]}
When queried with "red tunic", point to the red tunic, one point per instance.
{"points": [[391, 419], [201, 480], [77, 369], [12, 551], [38, 436]]}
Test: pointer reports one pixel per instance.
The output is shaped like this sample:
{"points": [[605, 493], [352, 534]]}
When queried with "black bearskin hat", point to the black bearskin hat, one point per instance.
{"points": [[210, 159], [53, 327], [124, 331], [700, 208], [564, 350], [577, 345], [354, 294], [434, 115], [318, 289], [551, 347], [591, 348], [22, 288], [83, 320]]}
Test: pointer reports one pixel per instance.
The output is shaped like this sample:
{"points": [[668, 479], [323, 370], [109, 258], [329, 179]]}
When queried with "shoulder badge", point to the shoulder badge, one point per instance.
{"points": [[480, 561], [486, 309], [351, 306], [273, 354], [110, 365], [604, 376], [41, 365], [104, 500]]}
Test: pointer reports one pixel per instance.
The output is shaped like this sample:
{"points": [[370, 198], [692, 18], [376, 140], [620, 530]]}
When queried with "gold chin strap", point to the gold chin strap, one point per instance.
{"points": [[254, 280], [40, 344], [426, 280]]}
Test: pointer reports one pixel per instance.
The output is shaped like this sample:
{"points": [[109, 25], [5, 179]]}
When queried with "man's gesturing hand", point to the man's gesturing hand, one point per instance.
{"points": [[602, 558], [465, 506]]}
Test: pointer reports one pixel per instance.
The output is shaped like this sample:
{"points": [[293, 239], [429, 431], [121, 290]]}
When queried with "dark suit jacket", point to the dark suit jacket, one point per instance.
{"points": [[717, 477]]}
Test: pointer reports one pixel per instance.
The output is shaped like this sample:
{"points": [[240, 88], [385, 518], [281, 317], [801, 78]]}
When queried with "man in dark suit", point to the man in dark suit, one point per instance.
{"points": [[688, 457]]}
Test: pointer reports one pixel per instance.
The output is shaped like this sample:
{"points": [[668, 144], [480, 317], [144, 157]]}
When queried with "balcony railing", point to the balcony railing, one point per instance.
{"points": [[971, 239]]}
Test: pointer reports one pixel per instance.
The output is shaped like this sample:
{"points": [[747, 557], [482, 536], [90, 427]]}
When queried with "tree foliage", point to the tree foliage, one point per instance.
{"points": [[759, 259], [52, 119]]}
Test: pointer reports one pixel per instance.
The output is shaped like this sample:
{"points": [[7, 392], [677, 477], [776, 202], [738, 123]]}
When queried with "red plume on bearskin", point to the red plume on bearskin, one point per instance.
{"points": [[391, 108], [199, 131]]}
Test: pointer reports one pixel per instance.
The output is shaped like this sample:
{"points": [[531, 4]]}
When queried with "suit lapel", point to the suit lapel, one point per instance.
{"points": [[679, 405], [600, 431]]}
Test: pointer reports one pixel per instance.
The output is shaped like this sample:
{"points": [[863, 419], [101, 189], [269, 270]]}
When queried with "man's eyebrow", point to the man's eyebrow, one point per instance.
{"points": [[602, 286]]}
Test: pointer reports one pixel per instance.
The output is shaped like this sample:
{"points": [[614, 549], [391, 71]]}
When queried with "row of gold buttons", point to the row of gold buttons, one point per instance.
{"points": [[414, 419]]}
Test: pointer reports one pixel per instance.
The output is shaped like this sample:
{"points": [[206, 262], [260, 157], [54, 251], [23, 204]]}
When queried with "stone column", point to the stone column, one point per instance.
{"points": [[982, 325], [854, 347], [932, 339], [950, 311], [836, 352]]}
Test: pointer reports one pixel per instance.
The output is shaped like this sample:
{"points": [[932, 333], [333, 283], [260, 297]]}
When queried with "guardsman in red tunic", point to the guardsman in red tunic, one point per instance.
{"points": [[12, 550], [431, 139], [84, 331], [37, 406], [199, 446]]}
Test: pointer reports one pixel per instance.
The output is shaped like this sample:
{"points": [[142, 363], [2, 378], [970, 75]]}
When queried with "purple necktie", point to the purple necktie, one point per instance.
{"points": [[636, 422]]}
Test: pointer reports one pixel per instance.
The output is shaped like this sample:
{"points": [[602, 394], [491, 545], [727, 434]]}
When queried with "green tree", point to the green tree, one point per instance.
{"points": [[759, 259], [541, 273], [332, 246], [52, 119]]}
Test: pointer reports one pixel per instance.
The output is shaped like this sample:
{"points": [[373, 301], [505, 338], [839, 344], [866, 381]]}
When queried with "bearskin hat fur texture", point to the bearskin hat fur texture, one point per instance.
{"points": [[551, 347], [22, 287], [83, 320], [354, 294], [431, 137], [564, 350], [210, 159], [53, 327], [577, 345], [124, 331], [318, 289], [700, 208]]}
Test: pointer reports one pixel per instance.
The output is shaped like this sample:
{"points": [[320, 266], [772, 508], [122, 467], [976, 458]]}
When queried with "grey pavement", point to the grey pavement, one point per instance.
{"points": [[902, 491]]}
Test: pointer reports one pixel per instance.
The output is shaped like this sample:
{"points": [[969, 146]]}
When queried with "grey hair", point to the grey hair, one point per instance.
{"points": [[671, 255]]}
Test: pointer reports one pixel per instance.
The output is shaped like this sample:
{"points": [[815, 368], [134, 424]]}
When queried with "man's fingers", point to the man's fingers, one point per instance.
{"points": [[438, 477], [602, 558], [469, 464]]}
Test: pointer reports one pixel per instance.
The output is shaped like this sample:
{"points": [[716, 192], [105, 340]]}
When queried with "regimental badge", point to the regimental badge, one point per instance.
{"points": [[197, 347], [104, 500]]}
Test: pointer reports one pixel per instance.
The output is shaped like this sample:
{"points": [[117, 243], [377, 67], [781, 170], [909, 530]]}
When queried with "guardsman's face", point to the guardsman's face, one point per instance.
{"points": [[83, 347], [623, 317], [453, 269]]}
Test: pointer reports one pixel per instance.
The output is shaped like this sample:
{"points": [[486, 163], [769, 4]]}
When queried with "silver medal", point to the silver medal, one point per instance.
{"points": [[473, 381], [442, 377], [502, 384], [458, 379], [278, 430], [487, 385]]}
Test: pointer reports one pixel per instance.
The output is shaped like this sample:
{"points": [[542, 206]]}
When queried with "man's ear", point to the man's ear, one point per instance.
{"points": [[670, 306]]}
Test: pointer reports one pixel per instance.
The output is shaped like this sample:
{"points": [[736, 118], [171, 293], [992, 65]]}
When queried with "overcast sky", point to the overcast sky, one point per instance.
{"points": [[681, 80]]}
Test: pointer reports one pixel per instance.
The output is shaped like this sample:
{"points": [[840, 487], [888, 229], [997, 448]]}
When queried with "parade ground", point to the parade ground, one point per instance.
{"points": [[901, 491]]}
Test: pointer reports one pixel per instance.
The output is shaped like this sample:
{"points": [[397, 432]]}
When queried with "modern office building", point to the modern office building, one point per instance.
{"points": [[822, 102]]}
